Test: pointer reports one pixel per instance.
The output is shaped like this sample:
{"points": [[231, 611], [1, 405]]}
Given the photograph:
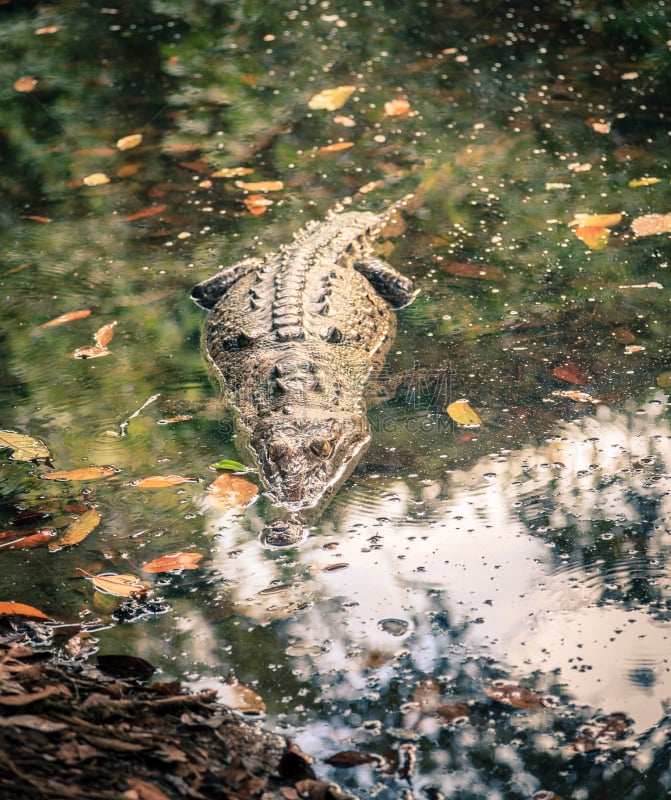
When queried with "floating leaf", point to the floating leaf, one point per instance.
{"points": [[651, 224], [27, 541], [172, 561], [173, 420], [162, 481], [346, 122], [77, 530], [594, 236], [25, 448], [96, 179], [461, 412], [8, 608], [623, 335], [336, 147], [596, 220], [228, 463], [636, 182], [36, 218], [152, 211], [602, 733], [129, 142], [331, 99], [232, 172], [91, 351], [452, 711], [398, 107], [69, 317], [516, 696], [352, 758], [25, 84], [47, 29], [241, 698], [232, 491], [124, 585], [257, 204], [485, 272], [103, 336], [576, 396], [81, 474], [571, 373], [260, 186]]}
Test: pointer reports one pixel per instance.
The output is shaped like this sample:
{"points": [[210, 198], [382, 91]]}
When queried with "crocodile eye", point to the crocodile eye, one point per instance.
{"points": [[321, 447]]}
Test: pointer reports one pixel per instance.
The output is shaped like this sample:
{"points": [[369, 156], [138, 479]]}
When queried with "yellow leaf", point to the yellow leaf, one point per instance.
{"points": [[596, 220], [125, 585], [161, 481], [331, 99], [25, 448], [172, 561], [96, 179], [594, 236], [77, 530], [128, 142], [232, 491], [260, 186], [81, 474], [461, 412], [636, 182]]}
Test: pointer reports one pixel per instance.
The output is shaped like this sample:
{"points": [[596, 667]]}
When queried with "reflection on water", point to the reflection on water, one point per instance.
{"points": [[550, 563]]}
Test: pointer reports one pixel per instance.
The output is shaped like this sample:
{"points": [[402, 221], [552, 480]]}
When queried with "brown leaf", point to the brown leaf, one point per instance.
{"points": [[81, 474], [257, 204], [571, 373], [91, 351], [28, 541], [452, 710], [260, 186], [484, 272], [25, 448], [576, 396], [104, 335], [152, 211], [602, 733], [461, 412], [352, 758], [173, 420], [65, 318], [77, 530], [33, 722], [241, 698], [25, 698], [232, 491], [9, 608], [623, 335], [25, 84], [173, 561], [145, 790], [36, 218], [162, 481], [124, 666], [511, 694], [125, 585]]}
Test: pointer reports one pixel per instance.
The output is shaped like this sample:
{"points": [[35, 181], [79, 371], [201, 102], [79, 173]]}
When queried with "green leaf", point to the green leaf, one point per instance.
{"points": [[235, 466]]}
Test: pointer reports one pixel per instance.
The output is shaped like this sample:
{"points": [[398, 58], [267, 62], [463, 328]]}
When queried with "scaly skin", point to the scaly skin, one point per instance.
{"points": [[294, 337]]}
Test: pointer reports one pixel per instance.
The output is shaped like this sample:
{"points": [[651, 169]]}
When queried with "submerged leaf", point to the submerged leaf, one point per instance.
{"points": [[103, 336], [91, 351], [81, 474], [162, 481], [595, 220], [232, 172], [331, 99], [461, 412], [77, 530], [69, 317], [352, 758], [398, 107], [232, 491], [96, 179], [25, 84], [257, 204], [172, 561], [636, 182], [27, 541], [571, 373], [260, 186], [594, 236], [25, 448], [128, 142], [516, 696]]}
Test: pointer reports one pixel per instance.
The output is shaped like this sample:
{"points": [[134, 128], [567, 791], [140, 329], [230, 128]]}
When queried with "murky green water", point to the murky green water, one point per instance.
{"points": [[533, 550]]}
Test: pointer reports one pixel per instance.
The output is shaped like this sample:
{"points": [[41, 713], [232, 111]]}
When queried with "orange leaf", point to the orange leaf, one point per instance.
{"points": [[103, 336], [69, 317], [595, 220], [146, 212], [29, 541], [260, 186], [231, 172], [161, 481], [173, 420], [91, 351], [172, 561], [461, 412], [257, 204], [232, 491], [334, 148], [594, 236], [82, 474], [26, 84], [77, 530], [12, 609], [398, 107], [36, 218]]}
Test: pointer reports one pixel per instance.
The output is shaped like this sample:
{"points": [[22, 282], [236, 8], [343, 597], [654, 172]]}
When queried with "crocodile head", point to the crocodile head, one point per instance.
{"points": [[301, 461]]}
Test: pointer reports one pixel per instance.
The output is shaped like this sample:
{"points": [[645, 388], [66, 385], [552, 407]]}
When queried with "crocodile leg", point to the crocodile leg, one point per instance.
{"points": [[208, 293], [388, 282]]}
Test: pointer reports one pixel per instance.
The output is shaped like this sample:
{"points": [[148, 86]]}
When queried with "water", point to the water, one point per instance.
{"points": [[533, 550]]}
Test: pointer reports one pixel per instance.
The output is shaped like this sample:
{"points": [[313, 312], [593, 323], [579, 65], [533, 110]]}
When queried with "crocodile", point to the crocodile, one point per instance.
{"points": [[293, 337]]}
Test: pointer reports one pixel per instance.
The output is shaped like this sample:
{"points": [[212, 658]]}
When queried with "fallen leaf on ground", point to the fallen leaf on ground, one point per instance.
{"points": [[172, 561], [452, 710], [33, 722], [651, 224], [69, 317], [232, 491], [77, 530], [461, 412], [162, 481], [241, 698], [124, 585], [91, 351], [25, 448], [9, 608], [104, 335], [128, 142], [516, 696], [96, 179], [124, 666], [81, 474], [25, 698], [331, 99]]}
